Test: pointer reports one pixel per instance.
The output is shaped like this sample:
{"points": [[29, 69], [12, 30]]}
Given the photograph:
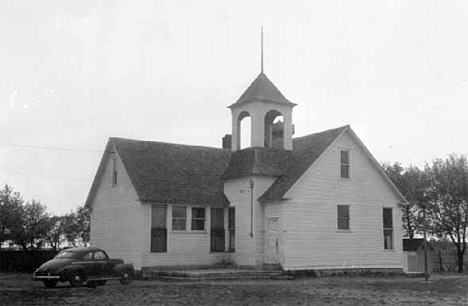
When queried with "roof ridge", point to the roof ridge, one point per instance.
{"points": [[167, 143], [324, 131]]}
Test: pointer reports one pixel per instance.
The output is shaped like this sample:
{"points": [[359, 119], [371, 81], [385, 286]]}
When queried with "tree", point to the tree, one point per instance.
{"points": [[33, 225], [70, 227], [76, 226], [449, 209], [54, 231], [83, 219], [414, 184], [11, 210]]}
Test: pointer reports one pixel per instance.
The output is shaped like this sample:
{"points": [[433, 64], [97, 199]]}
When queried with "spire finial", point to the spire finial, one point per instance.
{"points": [[261, 51]]}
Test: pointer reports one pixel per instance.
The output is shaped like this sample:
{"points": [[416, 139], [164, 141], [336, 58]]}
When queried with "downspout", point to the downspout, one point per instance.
{"points": [[251, 207]]}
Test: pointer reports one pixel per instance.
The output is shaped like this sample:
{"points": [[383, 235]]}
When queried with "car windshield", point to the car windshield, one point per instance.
{"points": [[64, 255]]}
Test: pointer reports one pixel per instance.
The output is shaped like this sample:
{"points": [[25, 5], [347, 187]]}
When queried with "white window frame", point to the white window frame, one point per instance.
{"points": [[179, 218], [348, 219], [348, 165], [392, 229], [192, 218]]}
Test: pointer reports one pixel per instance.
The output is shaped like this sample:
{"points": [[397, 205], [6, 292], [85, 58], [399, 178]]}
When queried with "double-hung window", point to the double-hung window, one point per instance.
{"points": [[179, 218], [344, 161], [343, 217], [388, 229], [198, 218]]}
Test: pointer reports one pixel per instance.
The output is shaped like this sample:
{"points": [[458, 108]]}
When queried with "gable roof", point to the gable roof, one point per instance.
{"points": [[306, 150], [262, 89], [169, 173], [173, 173]]}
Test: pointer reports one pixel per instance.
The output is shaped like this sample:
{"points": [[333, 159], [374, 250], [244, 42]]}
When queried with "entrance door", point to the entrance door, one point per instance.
{"points": [[217, 230], [272, 250]]}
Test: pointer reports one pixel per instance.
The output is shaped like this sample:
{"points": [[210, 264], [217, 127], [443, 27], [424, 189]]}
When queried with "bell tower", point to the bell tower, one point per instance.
{"points": [[263, 102]]}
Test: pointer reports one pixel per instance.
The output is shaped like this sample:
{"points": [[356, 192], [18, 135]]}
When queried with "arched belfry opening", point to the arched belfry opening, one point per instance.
{"points": [[244, 124], [274, 129]]}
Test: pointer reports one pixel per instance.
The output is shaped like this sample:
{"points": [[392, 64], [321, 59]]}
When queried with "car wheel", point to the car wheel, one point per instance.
{"points": [[77, 280], [92, 284], [50, 283], [101, 282], [126, 277]]}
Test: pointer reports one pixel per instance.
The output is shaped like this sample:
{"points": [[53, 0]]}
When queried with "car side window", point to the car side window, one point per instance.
{"points": [[88, 256], [99, 255]]}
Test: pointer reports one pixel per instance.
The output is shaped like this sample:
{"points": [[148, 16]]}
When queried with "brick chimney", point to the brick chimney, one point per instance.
{"points": [[227, 141]]}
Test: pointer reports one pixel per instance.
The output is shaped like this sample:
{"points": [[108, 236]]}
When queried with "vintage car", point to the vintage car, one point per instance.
{"points": [[83, 265]]}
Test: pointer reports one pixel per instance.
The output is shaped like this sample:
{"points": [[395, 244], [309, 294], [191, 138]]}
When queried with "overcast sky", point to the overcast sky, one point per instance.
{"points": [[73, 73]]}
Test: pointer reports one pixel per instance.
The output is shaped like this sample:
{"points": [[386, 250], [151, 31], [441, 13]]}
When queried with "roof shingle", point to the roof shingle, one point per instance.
{"points": [[262, 89], [258, 161], [173, 173]]}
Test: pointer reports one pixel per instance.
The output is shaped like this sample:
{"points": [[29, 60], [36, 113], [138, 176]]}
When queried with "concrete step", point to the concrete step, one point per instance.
{"points": [[214, 274]]}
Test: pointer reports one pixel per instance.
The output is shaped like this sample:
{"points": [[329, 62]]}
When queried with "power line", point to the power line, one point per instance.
{"points": [[49, 148], [25, 172], [7, 167]]}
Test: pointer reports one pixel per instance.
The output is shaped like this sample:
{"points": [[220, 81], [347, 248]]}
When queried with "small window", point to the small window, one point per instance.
{"points": [[388, 228], [343, 217], [344, 156], [198, 218], [114, 171], [88, 256], [99, 255], [179, 218]]}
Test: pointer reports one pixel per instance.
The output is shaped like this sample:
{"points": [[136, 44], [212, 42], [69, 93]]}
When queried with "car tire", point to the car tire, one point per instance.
{"points": [[50, 283], [77, 280], [101, 282], [92, 284], [127, 276]]}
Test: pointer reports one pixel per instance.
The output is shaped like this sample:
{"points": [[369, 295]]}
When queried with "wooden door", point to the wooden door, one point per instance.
{"points": [[272, 248]]}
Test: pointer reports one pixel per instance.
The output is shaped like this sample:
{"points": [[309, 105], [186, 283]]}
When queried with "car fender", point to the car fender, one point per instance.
{"points": [[122, 267], [72, 269]]}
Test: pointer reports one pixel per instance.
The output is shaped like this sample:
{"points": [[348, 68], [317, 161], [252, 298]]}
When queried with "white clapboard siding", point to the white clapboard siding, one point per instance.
{"points": [[116, 217], [184, 248], [249, 250], [312, 240]]}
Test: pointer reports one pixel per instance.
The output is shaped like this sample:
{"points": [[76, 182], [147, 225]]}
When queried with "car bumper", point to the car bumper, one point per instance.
{"points": [[45, 277]]}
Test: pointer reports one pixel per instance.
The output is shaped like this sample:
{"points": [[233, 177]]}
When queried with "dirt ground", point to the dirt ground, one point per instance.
{"points": [[19, 289]]}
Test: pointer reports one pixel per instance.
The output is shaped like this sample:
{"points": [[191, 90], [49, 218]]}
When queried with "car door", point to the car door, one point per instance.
{"points": [[102, 264], [88, 264]]}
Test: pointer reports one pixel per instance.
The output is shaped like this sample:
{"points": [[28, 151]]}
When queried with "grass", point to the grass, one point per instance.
{"points": [[440, 290]]}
